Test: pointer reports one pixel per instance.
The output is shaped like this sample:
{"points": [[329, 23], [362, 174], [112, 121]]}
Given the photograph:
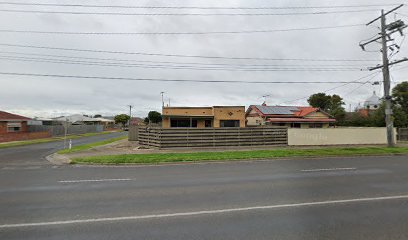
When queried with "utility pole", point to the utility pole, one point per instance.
{"points": [[385, 37], [130, 114], [162, 98]]}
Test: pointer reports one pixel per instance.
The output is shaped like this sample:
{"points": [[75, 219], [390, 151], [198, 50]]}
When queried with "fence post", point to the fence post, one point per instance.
{"points": [[160, 137]]}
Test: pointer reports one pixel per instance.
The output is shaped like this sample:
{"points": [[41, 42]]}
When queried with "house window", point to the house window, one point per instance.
{"points": [[316, 125], [14, 127], [295, 125], [208, 123], [229, 123], [186, 123]]}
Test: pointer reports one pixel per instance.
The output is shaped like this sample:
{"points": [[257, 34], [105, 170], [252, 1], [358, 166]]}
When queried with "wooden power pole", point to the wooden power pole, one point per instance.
{"points": [[385, 37]]}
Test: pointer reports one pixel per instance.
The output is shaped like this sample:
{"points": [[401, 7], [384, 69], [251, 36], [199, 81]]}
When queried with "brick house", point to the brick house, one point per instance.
{"points": [[202, 117], [12, 123], [13, 127], [288, 116]]}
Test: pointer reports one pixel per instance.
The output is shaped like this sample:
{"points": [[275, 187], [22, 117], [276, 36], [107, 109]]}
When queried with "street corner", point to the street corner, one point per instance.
{"points": [[58, 159]]}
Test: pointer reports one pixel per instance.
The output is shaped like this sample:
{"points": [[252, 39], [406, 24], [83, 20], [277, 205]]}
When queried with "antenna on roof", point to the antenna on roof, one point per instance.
{"points": [[265, 96]]}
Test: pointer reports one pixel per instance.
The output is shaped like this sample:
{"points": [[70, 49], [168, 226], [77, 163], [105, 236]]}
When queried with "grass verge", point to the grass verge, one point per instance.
{"points": [[28, 142], [236, 155], [90, 145], [45, 140]]}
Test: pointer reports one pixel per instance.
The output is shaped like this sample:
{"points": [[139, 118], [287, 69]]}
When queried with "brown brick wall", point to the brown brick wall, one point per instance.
{"points": [[20, 136], [229, 113], [186, 111], [3, 127], [219, 113]]}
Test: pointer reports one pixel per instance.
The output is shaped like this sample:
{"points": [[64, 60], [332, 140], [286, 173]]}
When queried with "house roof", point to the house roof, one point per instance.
{"points": [[314, 120], [6, 116], [276, 110], [285, 110], [80, 118], [304, 111]]}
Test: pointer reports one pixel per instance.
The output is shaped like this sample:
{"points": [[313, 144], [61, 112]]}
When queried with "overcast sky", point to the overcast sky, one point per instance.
{"points": [[52, 96]]}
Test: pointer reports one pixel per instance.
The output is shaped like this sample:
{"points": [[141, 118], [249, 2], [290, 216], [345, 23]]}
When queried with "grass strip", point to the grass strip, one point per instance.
{"points": [[157, 158], [90, 145], [45, 140], [28, 142]]}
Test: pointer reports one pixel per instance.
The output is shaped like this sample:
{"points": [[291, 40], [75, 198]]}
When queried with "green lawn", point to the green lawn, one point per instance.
{"points": [[237, 155], [45, 140], [90, 145]]}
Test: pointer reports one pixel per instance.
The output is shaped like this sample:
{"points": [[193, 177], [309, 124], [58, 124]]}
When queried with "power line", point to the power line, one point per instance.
{"points": [[167, 80], [190, 7], [186, 14], [354, 89], [185, 56], [402, 14], [172, 62], [185, 67], [178, 33], [372, 75]]}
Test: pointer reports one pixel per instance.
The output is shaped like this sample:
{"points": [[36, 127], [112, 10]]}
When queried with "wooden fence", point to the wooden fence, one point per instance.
{"points": [[59, 130], [211, 137], [402, 134]]}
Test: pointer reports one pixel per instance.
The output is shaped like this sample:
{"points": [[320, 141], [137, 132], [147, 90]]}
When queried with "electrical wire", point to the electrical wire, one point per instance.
{"points": [[185, 67], [186, 14], [185, 56], [372, 75], [190, 7], [355, 89], [178, 33], [171, 62], [167, 80], [402, 14]]}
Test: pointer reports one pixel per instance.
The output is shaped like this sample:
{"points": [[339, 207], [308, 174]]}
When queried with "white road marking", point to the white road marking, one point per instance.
{"points": [[205, 212], [327, 169], [96, 180]]}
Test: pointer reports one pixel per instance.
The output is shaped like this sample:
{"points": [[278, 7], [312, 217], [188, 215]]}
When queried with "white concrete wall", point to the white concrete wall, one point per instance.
{"points": [[337, 136]]}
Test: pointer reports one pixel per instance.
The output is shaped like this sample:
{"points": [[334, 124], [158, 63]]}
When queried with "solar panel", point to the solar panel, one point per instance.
{"points": [[278, 110]]}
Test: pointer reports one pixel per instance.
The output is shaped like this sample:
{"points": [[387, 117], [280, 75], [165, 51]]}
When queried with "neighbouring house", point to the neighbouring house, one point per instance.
{"points": [[371, 104], [38, 121], [288, 116], [203, 117], [78, 119], [135, 121], [14, 127], [11, 123]]}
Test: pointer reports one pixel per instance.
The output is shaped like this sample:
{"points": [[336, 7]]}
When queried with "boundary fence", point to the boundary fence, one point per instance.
{"points": [[402, 134], [209, 137], [59, 130]]}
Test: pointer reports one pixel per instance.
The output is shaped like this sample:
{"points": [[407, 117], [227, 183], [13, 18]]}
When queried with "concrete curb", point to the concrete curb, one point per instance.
{"points": [[58, 159]]}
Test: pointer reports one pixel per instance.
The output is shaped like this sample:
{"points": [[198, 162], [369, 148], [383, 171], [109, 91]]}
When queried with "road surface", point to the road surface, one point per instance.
{"points": [[328, 198], [33, 156]]}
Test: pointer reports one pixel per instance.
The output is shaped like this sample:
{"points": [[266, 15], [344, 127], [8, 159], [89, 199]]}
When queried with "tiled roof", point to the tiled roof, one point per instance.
{"points": [[303, 111], [4, 116]]}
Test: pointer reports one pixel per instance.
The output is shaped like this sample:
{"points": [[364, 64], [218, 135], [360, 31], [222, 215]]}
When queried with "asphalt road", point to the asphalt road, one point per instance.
{"points": [[33, 156], [331, 198]]}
